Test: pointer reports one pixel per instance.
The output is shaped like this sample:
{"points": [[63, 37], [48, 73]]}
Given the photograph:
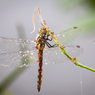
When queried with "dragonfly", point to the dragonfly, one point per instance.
{"points": [[19, 52]]}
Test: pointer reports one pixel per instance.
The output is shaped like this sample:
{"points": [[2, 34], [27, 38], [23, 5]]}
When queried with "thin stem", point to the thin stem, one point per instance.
{"points": [[64, 52], [33, 17]]}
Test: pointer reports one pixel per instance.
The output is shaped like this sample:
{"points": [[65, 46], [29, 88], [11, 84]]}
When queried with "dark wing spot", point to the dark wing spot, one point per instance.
{"points": [[75, 27]]}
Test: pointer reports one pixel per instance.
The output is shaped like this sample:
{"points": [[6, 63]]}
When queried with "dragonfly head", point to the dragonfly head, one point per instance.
{"points": [[42, 31]]}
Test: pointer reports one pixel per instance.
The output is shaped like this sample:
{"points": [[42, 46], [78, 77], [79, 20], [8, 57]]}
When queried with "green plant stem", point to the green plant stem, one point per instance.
{"points": [[64, 52], [74, 59], [83, 66], [76, 62]]}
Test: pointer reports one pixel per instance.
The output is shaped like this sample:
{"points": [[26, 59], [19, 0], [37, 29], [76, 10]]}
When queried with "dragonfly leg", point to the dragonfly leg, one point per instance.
{"points": [[51, 46], [48, 36]]}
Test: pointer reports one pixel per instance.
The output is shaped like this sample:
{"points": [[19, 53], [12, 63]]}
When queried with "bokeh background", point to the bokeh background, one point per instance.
{"points": [[63, 78]]}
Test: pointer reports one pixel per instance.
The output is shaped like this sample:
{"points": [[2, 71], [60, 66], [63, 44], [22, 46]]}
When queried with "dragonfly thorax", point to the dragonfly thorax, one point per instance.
{"points": [[40, 42]]}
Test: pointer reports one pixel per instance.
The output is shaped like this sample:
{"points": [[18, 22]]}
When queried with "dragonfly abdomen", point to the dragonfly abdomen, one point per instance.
{"points": [[40, 68]]}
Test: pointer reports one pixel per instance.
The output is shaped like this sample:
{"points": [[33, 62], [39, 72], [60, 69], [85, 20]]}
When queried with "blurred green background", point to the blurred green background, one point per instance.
{"points": [[87, 16]]}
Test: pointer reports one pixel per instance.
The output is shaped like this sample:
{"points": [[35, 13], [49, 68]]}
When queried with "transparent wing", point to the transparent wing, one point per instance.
{"points": [[54, 55], [12, 44], [18, 59], [66, 36], [29, 57]]}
